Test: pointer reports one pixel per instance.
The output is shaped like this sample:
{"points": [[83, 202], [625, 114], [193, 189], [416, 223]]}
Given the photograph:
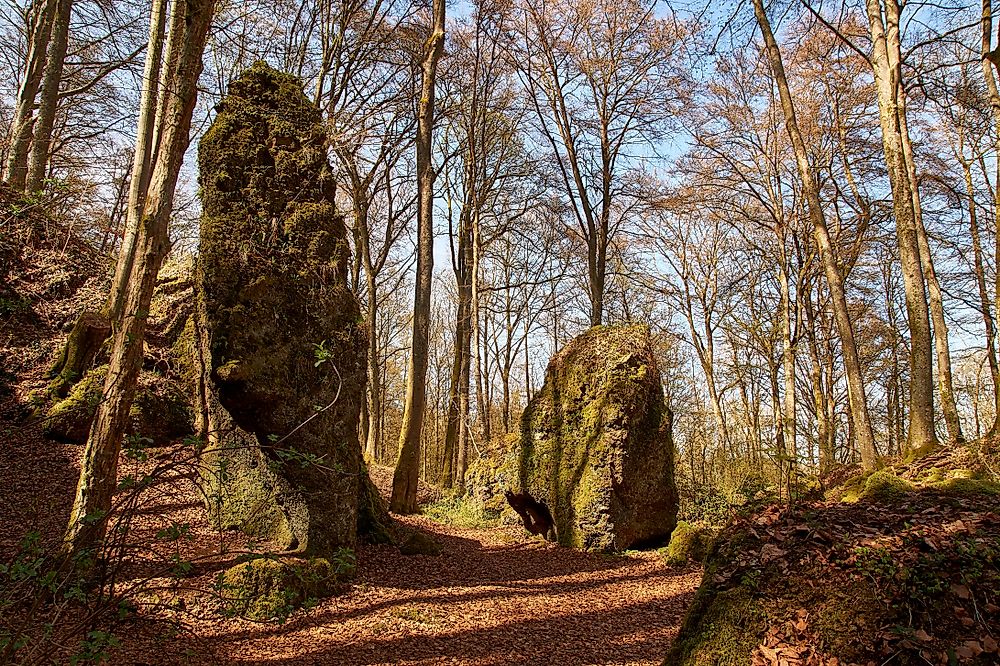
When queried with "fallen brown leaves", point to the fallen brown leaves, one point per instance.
{"points": [[492, 596]]}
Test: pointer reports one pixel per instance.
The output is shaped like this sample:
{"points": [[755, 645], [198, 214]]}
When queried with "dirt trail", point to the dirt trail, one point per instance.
{"points": [[494, 596]]}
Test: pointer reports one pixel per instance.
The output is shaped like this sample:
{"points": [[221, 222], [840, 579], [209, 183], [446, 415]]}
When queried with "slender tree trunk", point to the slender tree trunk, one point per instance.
{"points": [[144, 157], [826, 460], [788, 367], [942, 349], [460, 357], [835, 281], [42, 16], [980, 271], [404, 482], [98, 476], [452, 431], [990, 61], [886, 65], [92, 328], [374, 434], [48, 102]]}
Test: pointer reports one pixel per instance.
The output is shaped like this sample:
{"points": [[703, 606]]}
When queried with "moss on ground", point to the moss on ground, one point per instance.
{"points": [[688, 542], [272, 589]]}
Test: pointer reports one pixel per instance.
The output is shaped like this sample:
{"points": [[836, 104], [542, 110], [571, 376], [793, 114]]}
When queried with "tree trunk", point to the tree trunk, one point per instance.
{"points": [[936, 300], [404, 482], [83, 343], [48, 103], [143, 158], [990, 61], [462, 348], [845, 327], [885, 61], [788, 368], [98, 476], [40, 27]]}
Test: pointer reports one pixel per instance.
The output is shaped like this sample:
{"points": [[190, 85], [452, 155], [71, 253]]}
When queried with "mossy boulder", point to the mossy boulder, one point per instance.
{"points": [[488, 476], [596, 443], [884, 485], [280, 340], [689, 542], [271, 589], [160, 411], [415, 542]]}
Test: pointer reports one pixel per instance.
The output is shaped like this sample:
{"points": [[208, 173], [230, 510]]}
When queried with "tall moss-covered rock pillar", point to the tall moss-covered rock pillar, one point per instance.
{"points": [[596, 442], [281, 344]]}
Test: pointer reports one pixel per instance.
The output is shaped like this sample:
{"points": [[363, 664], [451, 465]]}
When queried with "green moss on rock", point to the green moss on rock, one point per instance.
{"points": [[270, 589], [374, 522], [884, 485], [159, 412], [280, 339], [596, 443], [415, 542], [961, 485], [488, 476], [688, 542]]}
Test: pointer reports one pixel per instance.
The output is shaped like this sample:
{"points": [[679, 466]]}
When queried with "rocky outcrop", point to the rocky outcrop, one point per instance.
{"points": [[160, 413], [596, 443], [278, 335]]}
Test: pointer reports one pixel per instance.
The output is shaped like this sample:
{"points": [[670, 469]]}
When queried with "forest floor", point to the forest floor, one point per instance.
{"points": [[493, 596]]}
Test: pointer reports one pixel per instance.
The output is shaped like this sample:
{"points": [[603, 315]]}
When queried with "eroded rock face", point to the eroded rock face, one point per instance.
{"points": [[596, 443], [279, 335]]}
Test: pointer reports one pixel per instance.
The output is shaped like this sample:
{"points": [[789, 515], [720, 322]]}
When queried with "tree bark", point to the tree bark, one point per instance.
{"points": [[989, 63], [980, 272], [143, 157], [835, 281], [788, 369], [48, 103], [404, 482], [942, 349], [886, 65], [98, 476], [21, 130]]}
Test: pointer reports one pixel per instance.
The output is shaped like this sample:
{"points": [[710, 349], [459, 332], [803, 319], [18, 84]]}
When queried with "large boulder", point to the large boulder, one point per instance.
{"points": [[279, 336], [596, 443]]}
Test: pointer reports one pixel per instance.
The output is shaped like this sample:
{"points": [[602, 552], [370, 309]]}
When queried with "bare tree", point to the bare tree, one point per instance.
{"points": [[599, 78], [40, 16], [835, 281], [98, 475], [41, 142], [404, 482]]}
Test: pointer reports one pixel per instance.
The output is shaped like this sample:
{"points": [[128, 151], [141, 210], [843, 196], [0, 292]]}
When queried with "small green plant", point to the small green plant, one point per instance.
{"points": [[13, 306], [322, 354], [461, 511]]}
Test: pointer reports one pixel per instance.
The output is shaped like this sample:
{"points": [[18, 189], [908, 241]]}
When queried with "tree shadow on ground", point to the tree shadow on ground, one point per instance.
{"points": [[434, 593]]}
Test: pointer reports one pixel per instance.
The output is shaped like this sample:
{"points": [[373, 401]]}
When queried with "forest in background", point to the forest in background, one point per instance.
{"points": [[604, 162]]}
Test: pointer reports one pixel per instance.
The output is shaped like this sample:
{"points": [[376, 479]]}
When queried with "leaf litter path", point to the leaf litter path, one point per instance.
{"points": [[492, 597]]}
